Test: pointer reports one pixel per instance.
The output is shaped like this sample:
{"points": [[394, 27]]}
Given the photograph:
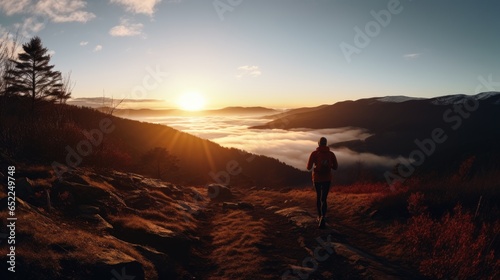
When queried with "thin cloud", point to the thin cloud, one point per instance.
{"points": [[64, 10], [96, 102], [138, 6], [84, 43], [30, 26], [252, 71], [98, 48], [11, 7], [126, 29], [411, 56], [39, 13]]}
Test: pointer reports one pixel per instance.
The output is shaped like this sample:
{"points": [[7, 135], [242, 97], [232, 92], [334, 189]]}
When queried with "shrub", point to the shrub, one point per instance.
{"points": [[452, 247]]}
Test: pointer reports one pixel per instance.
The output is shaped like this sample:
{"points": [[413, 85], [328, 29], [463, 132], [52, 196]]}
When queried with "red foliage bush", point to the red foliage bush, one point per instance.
{"points": [[361, 188], [452, 247]]}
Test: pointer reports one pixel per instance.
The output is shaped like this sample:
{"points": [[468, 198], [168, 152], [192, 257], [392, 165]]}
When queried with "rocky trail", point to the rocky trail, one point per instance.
{"points": [[113, 225], [285, 240]]}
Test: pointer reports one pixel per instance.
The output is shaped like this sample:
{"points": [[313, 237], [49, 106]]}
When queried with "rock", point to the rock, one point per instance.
{"points": [[272, 208], [298, 270], [285, 190], [229, 205], [141, 201], [163, 263], [122, 184], [114, 264], [136, 178], [191, 208], [245, 206], [24, 188], [218, 192], [74, 178], [88, 210], [238, 205], [99, 222], [298, 216], [169, 190], [78, 193], [164, 240]]}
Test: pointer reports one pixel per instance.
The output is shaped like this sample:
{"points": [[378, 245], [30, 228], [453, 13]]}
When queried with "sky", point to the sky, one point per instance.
{"points": [[273, 53]]}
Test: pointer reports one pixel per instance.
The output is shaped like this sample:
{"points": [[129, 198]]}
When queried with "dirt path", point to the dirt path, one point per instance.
{"points": [[277, 238]]}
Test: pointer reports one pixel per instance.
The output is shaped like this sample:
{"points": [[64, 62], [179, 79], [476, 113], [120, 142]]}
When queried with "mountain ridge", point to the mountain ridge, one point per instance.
{"points": [[468, 122], [232, 110]]}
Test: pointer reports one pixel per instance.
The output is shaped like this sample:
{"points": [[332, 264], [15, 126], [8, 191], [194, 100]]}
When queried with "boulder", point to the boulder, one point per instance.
{"points": [[218, 192]]}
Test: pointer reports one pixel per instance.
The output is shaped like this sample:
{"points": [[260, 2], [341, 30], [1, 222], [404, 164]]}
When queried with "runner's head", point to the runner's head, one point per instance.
{"points": [[322, 141]]}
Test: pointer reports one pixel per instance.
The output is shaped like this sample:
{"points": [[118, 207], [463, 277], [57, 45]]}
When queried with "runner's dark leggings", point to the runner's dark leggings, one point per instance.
{"points": [[322, 189]]}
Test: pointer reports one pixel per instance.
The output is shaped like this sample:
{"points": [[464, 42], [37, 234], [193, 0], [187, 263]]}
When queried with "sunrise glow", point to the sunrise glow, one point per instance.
{"points": [[191, 101]]}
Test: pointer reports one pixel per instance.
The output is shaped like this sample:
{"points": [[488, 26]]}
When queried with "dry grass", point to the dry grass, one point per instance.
{"points": [[235, 239], [100, 184], [61, 242]]}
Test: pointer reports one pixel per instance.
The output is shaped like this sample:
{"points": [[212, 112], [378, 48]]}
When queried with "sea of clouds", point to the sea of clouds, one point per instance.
{"points": [[290, 146]]}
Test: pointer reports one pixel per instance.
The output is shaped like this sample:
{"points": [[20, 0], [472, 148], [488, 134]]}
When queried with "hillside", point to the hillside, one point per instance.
{"points": [[467, 122], [60, 132]]}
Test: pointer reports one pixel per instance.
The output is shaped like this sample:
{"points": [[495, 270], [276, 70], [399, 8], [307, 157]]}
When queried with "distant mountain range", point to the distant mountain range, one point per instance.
{"points": [[470, 124], [176, 112]]}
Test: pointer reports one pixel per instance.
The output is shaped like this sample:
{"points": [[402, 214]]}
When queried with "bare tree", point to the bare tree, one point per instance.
{"points": [[65, 92], [8, 49]]}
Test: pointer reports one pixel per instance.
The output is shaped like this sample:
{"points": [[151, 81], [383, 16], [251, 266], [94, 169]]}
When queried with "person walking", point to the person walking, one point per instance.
{"points": [[322, 161]]}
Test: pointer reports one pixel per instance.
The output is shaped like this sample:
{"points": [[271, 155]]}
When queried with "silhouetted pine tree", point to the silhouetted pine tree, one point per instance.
{"points": [[32, 75]]}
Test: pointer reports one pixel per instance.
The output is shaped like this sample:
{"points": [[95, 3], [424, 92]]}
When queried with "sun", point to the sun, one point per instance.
{"points": [[191, 101]]}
